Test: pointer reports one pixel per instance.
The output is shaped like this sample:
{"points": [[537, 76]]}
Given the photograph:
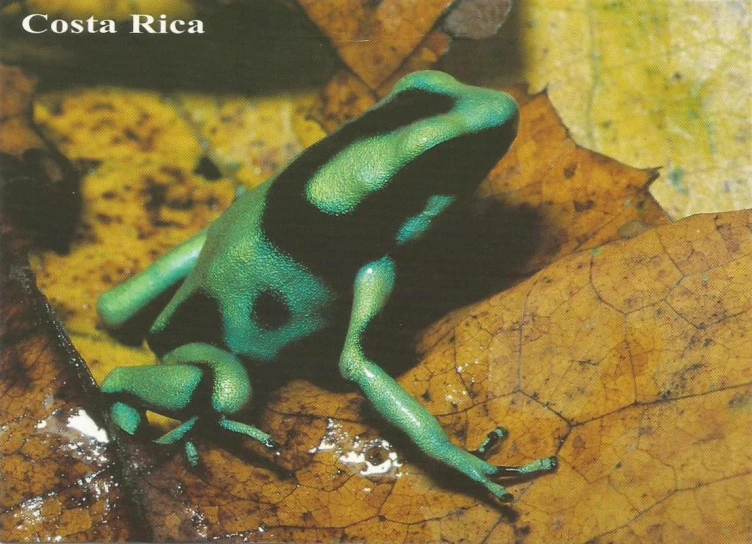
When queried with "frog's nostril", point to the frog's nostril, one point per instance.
{"points": [[197, 319]]}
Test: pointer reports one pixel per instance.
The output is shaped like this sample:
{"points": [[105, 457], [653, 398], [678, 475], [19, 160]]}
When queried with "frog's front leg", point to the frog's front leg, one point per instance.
{"points": [[121, 303], [174, 389], [373, 286]]}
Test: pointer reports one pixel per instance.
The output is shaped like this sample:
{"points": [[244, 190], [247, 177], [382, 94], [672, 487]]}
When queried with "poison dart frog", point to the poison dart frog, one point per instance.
{"points": [[263, 276]]}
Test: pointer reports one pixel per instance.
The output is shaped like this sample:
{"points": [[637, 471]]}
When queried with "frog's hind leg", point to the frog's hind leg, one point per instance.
{"points": [[373, 286], [121, 303], [188, 376]]}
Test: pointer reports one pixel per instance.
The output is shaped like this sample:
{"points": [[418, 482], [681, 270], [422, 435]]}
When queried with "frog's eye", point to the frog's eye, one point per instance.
{"points": [[270, 311]]}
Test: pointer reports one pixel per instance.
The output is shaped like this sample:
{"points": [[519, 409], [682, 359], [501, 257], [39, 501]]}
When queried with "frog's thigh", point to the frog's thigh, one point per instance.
{"points": [[373, 286], [170, 388], [231, 387], [121, 303]]}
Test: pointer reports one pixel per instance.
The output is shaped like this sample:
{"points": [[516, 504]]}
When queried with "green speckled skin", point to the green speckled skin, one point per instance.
{"points": [[269, 271]]}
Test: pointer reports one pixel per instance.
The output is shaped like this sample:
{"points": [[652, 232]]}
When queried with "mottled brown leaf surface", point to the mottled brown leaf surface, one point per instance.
{"points": [[343, 474], [57, 466], [374, 38], [58, 469], [642, 349]]}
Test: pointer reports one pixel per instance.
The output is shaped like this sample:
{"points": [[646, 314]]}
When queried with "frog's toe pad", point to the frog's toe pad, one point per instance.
{"points": [[499, 491]]}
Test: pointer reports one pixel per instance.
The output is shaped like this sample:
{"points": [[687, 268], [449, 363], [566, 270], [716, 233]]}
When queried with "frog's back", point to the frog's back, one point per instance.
{"points": [[244, 294], [352, 197], [346, 200], [280, 256]]}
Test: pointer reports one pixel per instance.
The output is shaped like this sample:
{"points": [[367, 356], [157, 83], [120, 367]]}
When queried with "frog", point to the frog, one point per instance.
{"points": [[264, 275]]}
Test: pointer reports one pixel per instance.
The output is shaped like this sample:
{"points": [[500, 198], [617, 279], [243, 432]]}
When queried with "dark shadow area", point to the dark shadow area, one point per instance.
{"points": [[499, 58], [39, 192], [258, 47], [133, 332], [479, 251]]}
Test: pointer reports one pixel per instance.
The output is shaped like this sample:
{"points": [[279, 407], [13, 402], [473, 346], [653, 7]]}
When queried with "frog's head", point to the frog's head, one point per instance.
{"points": [[461, 130], [447, 109], [432, 135]]}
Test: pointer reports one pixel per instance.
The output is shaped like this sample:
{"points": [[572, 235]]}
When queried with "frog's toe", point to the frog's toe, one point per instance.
{"points": [[272, 445], [250, 431], [547, 464], [493, 439], [181, 433], [499, 491], [127, 417], [191, 453]]}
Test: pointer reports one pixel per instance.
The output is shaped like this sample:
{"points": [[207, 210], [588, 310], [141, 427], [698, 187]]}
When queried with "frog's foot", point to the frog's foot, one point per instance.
{"points": [[132, 421], [494, 438], [539, 466], [486, 474], [181, 433], [174, 389]]}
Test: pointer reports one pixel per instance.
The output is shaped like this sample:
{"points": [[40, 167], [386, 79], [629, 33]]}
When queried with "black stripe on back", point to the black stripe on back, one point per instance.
{"points": [[324, 243], [334, 247]]}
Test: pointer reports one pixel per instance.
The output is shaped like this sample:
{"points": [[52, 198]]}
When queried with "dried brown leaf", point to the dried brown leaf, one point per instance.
{"points": [[59, 474], [477, 19], [374, 39], [59, 471], [641, 348]]}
